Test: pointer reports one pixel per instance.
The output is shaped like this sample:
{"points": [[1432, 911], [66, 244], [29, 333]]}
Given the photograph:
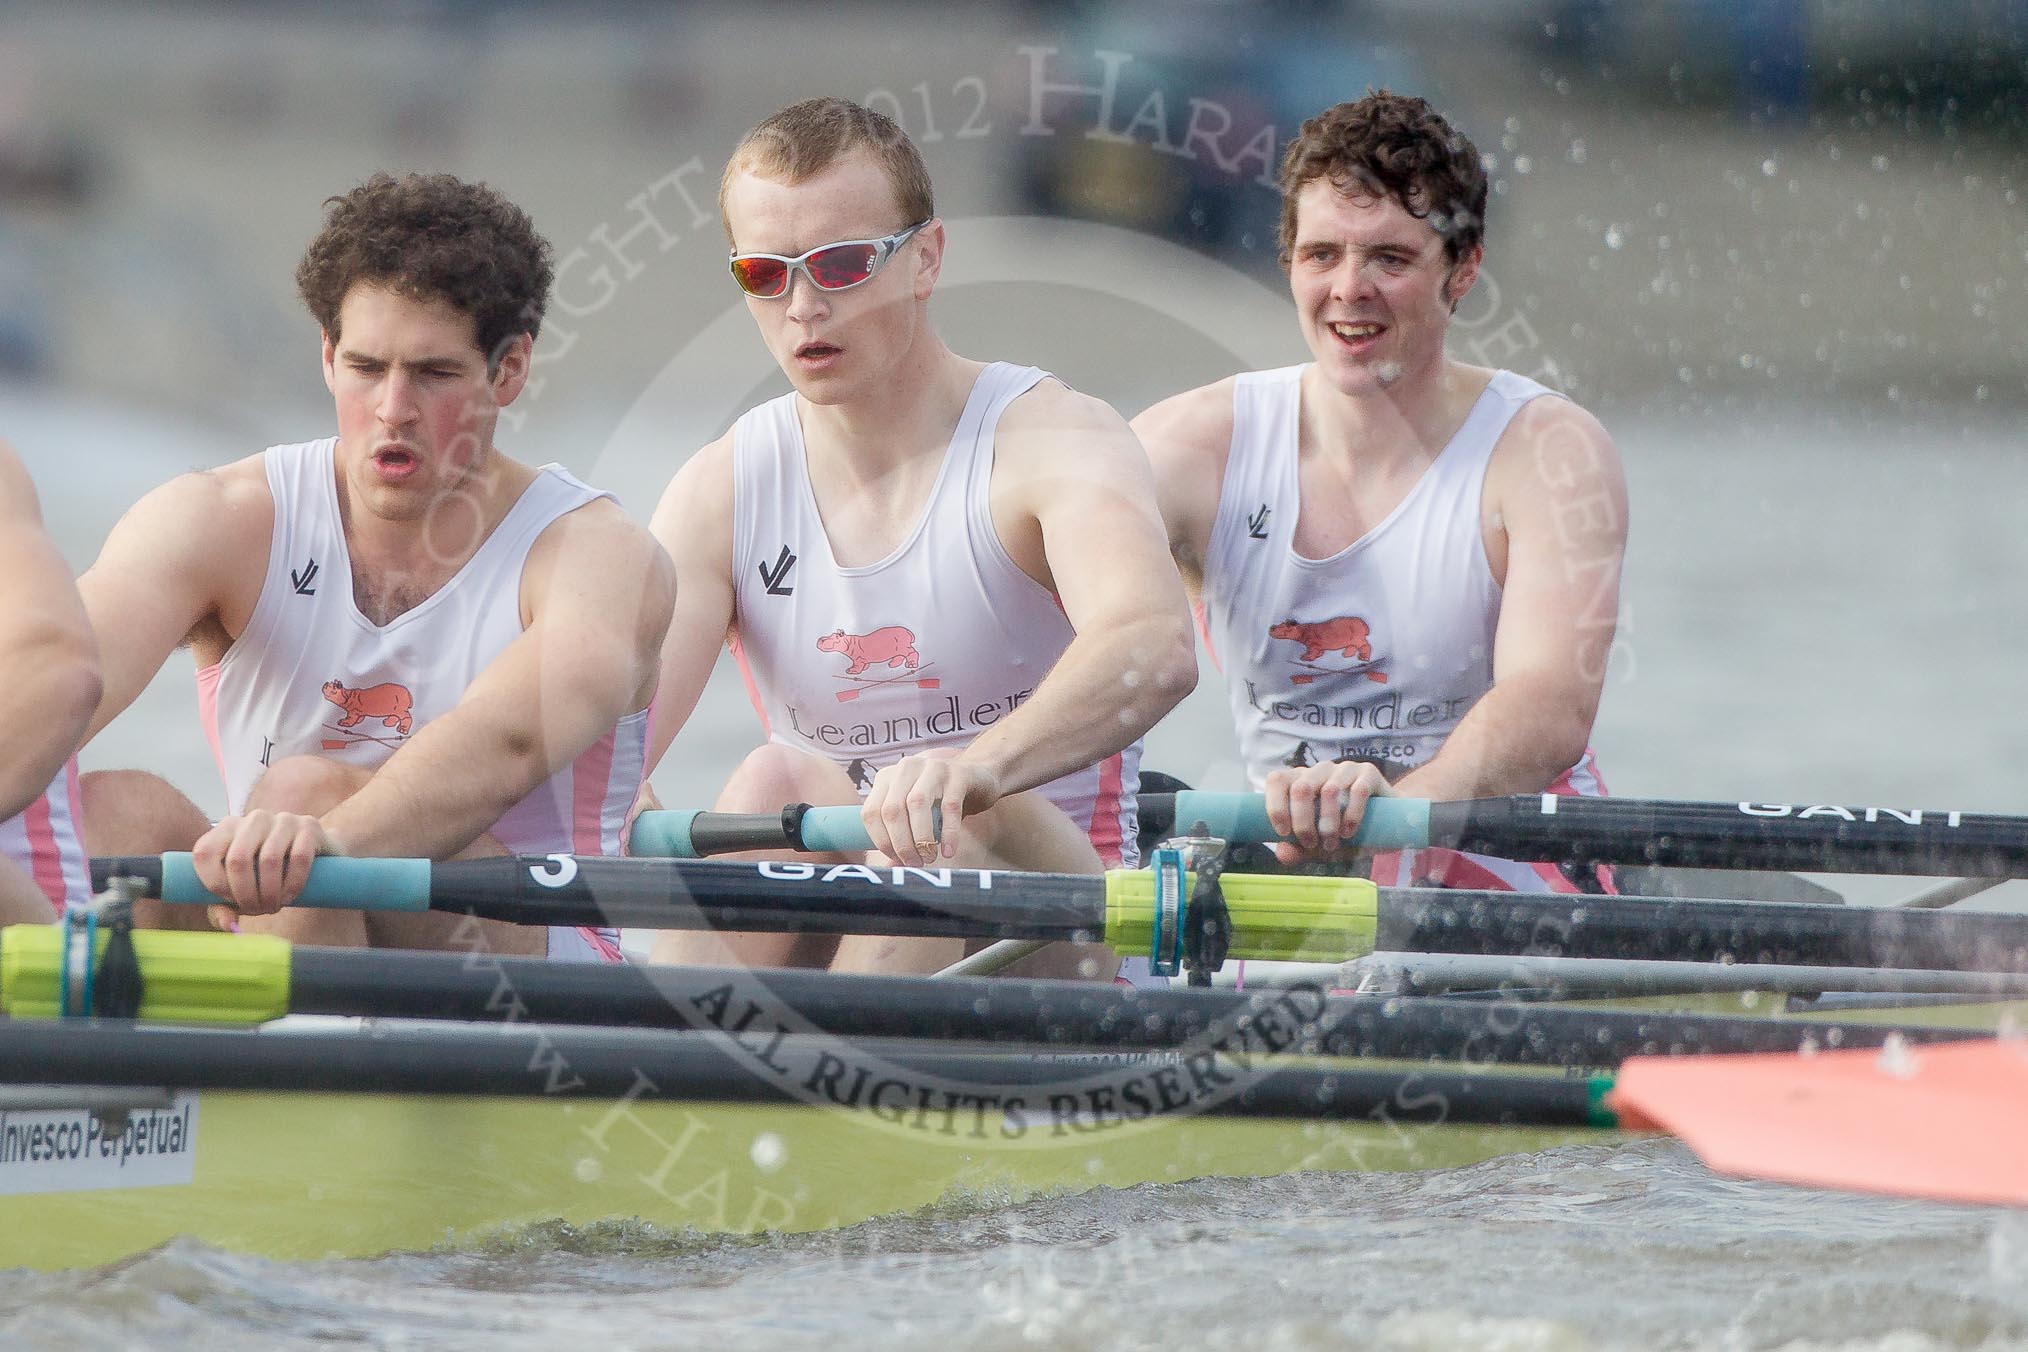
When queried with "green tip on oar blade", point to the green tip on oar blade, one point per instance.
{"points": [[1938, 1121], [1280, 918]]}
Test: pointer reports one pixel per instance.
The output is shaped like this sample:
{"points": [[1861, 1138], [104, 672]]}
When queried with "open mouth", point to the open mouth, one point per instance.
{"points": [[395, 461], [816, 350], [1364, 331]]}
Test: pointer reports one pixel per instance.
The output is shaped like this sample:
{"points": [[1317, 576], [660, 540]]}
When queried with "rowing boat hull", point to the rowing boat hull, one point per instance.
{"points": [[312, 1176]]}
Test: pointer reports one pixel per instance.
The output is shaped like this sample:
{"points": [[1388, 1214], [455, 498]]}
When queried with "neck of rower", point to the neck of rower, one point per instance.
{"points": [[418, 554], [1399, 426], [905, 420]]}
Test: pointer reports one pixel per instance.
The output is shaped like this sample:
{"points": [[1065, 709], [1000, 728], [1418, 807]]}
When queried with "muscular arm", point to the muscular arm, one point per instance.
{"points": [[49, 663], [1188, 438], [168, 568], [1069, 471], [693, 524], [1560, 499], [597, 592]]}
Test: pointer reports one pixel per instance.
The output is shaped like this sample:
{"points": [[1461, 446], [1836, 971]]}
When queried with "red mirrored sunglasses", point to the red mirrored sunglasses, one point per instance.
{"points": [[830, 267]]}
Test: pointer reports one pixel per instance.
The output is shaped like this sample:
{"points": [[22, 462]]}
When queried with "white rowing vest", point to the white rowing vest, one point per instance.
{"points": [[1377, 652], [928, 647], [312, 676], [45, 840]]}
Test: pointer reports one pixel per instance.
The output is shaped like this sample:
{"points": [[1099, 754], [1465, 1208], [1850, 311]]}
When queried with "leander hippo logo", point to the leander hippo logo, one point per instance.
{"points": [[1347, 635], [387, 705], [888, 653]]}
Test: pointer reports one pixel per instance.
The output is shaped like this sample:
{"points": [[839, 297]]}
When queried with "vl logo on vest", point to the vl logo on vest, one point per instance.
{"points": [[1346, 635], [386, 705], [890, 648]]}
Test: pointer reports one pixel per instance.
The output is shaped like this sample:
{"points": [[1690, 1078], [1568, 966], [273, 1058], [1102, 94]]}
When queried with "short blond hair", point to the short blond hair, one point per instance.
{"points": [[804, 139]]}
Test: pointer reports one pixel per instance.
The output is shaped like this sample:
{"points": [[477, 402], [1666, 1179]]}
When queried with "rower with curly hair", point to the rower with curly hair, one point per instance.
{"points": [[1408, 565], [407, 642]]}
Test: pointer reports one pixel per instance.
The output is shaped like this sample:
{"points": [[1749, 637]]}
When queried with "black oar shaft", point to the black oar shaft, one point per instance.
{"points": [[1584, 831], [1304, 1017], [1674, 929], [784, 897], [1735, 835], [807, 897], [948, 1092]]}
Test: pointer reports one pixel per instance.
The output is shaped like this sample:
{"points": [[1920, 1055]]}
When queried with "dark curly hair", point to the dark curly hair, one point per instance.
{"points": [[432, 237], [1393, 145]]}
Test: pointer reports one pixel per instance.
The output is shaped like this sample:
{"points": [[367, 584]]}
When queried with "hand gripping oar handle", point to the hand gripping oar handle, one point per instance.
{"points": [[1389, 824], [335, 881]]}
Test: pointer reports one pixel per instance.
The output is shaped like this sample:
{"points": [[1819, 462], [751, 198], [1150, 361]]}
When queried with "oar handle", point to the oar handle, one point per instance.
{"points": [[336, 882], [698, 835], [1388, 824]]}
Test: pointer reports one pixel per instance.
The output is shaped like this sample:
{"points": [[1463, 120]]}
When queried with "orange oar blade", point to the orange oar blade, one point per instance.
{"points": [[1945, 1121]]}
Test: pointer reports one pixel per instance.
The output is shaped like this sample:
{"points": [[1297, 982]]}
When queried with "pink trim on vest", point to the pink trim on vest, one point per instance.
{"points": [[207, 713], [590, 774], [738, 651], [1105, 833]]}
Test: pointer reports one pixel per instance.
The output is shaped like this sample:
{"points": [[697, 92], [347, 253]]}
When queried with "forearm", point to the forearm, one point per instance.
{"points": [[1519, 738], [1111, 685], [49, 686], [444, 789]]}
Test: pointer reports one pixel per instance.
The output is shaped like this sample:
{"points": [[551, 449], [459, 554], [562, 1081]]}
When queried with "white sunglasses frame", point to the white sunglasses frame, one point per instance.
{"points": [[885, 247]]}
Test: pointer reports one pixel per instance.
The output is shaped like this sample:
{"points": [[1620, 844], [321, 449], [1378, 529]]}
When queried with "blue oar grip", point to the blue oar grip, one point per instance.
{"points": [[1389, 823], [663, 835], [338, 883], [836, 828]]}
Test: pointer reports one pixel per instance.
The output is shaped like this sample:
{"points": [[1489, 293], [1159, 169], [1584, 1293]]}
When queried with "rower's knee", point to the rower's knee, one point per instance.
{"points": [[134, 812], [1027, 831], [306, 784], [21, 901], [773, 776]]}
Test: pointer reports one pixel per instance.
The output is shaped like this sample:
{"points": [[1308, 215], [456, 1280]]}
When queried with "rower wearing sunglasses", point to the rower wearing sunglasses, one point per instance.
{"points": [[1409, 565], [948, 569], [49, 685]]}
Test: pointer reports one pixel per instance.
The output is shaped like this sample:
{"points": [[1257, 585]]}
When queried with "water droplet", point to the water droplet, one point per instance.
{"points": [[768, 1152], [1614, 237], [589, 1170], [1522, 164], [1767, 168], [1897, 1058]]}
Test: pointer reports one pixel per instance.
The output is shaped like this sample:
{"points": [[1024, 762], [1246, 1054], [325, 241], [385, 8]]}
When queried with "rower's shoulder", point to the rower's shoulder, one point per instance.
{"points": [[704, 481], [696, 509], [215, 508], [17, 490], [1554, 440], [1052, 408], [1191, 430], [604, 541]]}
